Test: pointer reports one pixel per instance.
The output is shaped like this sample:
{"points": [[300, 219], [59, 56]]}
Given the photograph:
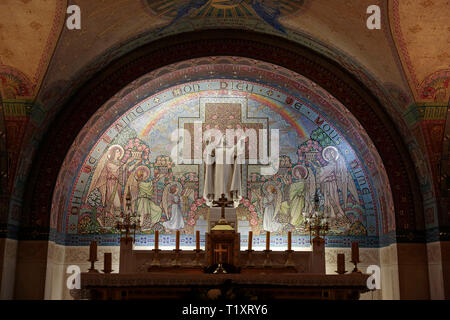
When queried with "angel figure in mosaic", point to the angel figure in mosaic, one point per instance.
{"points": [[108, 178], [301, 193], [334, 176], [270, 204], [172, 204], [141, 192]]}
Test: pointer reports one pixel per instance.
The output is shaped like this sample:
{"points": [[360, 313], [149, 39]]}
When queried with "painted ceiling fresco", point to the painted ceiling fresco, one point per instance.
{"points": [[36, 27], [421, 31], [268, 11], [29, 31], [129, 147], [344, 39]]}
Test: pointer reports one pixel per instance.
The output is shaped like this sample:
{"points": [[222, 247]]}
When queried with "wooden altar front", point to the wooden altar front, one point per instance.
{"points": [[230, 286], [222, 246]]}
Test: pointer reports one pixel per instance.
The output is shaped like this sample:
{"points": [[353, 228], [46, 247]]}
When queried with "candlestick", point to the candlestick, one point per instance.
{"points": [[267, 241], [107, 262], [155, 261], [176, 260], [267, 261], [289, 240], [93, 256], [156, 240], [355, 256], [177, 246], [341, 263], [93, 251], [197, 240], [197, 261], [250, 240], [355, 252]]}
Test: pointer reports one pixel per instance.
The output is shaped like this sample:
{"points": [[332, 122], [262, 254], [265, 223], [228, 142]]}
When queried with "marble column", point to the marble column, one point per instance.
{"points": [[126, 255], [31, 270], [318, 256], [438, 254], [8, 256], [413, 271]]}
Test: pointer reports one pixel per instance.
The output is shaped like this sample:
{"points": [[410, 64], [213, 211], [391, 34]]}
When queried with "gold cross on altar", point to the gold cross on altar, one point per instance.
{"points": [[220, 250], [223, 202]]}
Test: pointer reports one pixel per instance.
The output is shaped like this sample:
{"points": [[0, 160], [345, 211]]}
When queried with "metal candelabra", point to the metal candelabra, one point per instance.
{"points": [[316, 221], [130, 222]]}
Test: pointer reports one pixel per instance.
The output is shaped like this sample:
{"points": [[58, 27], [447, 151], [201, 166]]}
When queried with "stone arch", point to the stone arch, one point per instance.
{"points": [[225, 67], [4, 174], [332, 77], [365, 107]]}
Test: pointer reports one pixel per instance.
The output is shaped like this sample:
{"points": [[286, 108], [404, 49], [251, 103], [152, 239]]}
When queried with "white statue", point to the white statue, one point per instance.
{"points": [[223, 173]]}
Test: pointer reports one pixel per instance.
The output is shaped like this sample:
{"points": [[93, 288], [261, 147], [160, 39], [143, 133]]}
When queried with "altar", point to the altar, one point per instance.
{"points": [[222, 270], [167, 285]]}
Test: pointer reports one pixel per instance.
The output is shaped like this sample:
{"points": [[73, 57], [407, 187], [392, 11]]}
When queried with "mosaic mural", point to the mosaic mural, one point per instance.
{"points": [[134, 155], [266, 10]]}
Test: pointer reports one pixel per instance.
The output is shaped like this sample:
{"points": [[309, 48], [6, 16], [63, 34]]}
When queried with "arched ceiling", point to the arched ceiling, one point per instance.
{"points": [[404, 64], [181, 48], [334, 28], [155, 104], [30, 28], [421, 30], [29, 31]]}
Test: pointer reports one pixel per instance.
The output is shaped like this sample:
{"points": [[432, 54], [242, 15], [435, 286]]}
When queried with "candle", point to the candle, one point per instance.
{"points": [[156, 240], [340, 263], [197, 240], [289, 240], [177, 245], [107, 262], [355, 252], [93, 251], [267, 241], [250, 240]]}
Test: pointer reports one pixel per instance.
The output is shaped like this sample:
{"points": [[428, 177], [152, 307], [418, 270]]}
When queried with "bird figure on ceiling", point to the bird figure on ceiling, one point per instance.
{"points": [[228, 2], [269, 11], [184, 10]]}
